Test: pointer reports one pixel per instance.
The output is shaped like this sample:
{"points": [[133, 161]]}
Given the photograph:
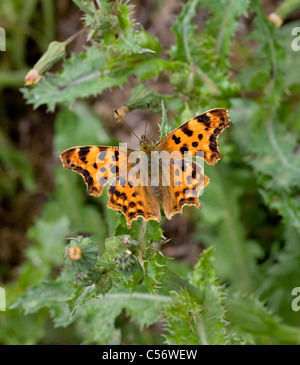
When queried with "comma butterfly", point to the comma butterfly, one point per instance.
{"points": [[161, 174]]}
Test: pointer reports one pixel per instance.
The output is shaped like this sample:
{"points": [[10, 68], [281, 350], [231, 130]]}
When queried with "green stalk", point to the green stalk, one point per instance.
{"points": [[259, 325], [12, 78], [177, 283], [19, 37], [49, 21], [287, 8]]}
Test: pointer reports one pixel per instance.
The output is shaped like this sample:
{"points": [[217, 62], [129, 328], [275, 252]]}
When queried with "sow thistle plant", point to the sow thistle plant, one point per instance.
{"points": [[227, 297]]}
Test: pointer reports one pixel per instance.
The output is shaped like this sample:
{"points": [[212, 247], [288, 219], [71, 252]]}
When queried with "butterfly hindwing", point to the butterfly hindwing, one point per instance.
{"points": [[133, 202], [187, 179]]}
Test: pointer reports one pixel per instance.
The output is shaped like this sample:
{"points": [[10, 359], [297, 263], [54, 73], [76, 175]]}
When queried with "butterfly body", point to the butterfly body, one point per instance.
{"points": [[164, 175]]}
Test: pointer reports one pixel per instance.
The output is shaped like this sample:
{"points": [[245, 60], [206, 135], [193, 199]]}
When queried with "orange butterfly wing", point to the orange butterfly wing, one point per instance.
{"points": [[196, 135], [187, 181], [99, 166], [96, 164], [133, 202]]}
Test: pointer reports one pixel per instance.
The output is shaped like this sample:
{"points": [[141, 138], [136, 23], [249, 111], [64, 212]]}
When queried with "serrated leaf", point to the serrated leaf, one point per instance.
{"points": [[100, 314], [281, 167], [181, 316], [49, 294], [80, 296], [141, 95], [212, 323], [183, 29], [82, 75], [155, 268], [189, 323], [223, 24]]}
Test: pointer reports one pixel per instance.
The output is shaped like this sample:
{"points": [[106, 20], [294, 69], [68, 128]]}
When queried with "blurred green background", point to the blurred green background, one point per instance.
{"points": [[251, 207]]}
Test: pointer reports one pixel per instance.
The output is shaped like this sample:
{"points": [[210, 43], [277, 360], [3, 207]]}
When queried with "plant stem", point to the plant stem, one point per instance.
{"points": [[283, 11], [49, 21], [12, 78], [256, 324], [175, 282], [75, 35]]}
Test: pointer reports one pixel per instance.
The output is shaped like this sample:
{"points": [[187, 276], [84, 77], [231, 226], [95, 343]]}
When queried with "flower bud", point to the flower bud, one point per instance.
{"points": [[114, 247], [130, 243], [126, 263], [74, 253], [121, 113], [55, 52], [32, 77], [82, 279], [81, 254], [275, 19], [104, 283]]}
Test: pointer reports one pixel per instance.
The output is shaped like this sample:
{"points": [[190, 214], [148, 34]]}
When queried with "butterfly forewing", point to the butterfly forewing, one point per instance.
{"points": [[199, 134], [98, 165]]}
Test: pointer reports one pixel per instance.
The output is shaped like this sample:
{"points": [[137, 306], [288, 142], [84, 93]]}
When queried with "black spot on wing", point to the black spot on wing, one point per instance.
{"points": [[83, 152], [184, 148], [187, 131], [213, 143], [116, 156], [177, 140], [204, 119]]}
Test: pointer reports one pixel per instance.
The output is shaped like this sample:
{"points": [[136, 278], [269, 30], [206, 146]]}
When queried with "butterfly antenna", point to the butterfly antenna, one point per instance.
{"points": [[122, 120], [148, 106]]}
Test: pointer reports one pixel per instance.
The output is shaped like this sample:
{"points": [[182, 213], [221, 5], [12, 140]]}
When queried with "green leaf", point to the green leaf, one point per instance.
{"points": [[100, 314], [213, 327], [183, 29], [80, 296], [181, 316], [15, 167], [140, 230], [282, 276], [189, 323], [82, 75], [219, 225], [164, 127], [141, 95], [279, 170], [223, 24], [251, 315], [49, 294]]}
